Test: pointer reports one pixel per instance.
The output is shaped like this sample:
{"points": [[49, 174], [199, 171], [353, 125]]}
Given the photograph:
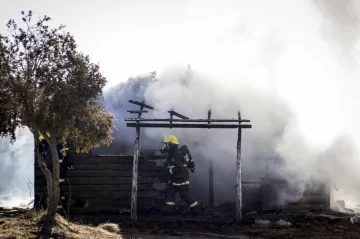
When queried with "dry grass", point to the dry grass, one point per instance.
{"points": [[26, 226]]}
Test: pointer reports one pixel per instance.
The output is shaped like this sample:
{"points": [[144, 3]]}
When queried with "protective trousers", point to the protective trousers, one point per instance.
{"points": [[183, 192]]}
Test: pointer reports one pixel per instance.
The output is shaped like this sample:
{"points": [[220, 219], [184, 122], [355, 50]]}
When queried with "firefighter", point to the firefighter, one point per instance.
{"points": [[178, 162], [64, 156], [67, 160]]}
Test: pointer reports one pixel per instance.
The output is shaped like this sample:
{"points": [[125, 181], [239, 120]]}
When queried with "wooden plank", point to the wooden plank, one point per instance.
{"points": [[120, 187], [142, 167], [102, 180], [111, 173], [190, 126], [110, 166], [107, 173], [106, 159], [120, 203], [112, 194]]}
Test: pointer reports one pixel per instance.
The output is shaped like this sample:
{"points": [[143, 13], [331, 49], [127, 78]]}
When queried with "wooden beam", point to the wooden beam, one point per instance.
{"points": [[137, 111], [189, 120], [209, 118], [211, 183], [135, 172], [238, 177], [190, 126], [141, 104], [177, 114], [102, 180]]}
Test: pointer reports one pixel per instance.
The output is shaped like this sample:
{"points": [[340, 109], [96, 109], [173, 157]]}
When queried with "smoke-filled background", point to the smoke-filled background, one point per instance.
{"points": [[16, 170], [291, 67]]}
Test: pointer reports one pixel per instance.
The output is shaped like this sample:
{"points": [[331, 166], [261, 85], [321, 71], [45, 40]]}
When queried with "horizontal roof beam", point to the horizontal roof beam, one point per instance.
{"points": [[137, 111], [192, 126], [190, 120]]}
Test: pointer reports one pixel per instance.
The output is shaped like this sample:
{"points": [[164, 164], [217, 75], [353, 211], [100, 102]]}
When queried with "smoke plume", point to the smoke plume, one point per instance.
{"points": [[192, 94], [17, 170], [289, 66], [279, 77], [341, 27], [274, 139]]}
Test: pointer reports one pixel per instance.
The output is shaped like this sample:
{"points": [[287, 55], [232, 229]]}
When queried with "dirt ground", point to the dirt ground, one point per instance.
{"points": [[301, 224], [305, 224]]}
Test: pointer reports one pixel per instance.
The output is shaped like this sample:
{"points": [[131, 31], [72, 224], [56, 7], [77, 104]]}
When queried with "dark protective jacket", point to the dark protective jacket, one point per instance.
{"points": [[179, 163], [178, 169], [68, 160]]}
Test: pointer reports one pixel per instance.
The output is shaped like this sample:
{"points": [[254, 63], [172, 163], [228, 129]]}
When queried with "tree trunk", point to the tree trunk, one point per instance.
{"points": [[52, 181], [46, 172], [46, 228], [54, 194]]}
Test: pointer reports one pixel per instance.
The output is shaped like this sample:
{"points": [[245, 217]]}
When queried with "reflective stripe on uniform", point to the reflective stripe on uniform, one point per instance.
{"points": [[170, 203], [171, 169], [182, 184], [193, 204], [61, 180]]}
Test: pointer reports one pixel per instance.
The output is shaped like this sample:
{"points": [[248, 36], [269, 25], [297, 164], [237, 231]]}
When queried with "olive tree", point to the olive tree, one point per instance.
{"points": [[51, 87], [8, 110]]}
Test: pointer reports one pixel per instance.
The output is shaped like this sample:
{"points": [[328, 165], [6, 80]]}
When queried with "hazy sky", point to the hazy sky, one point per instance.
{"points": [[131, 37], [297, 46], [306, 50], [122, 35]]}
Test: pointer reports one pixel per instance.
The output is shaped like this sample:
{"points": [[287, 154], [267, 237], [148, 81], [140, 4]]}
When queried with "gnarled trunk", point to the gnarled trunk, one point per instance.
{"points": [[52, 180], [45, 171], [54, 194]]}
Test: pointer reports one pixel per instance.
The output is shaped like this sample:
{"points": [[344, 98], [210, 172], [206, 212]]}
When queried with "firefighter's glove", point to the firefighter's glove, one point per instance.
{"points": [[192, 170]]}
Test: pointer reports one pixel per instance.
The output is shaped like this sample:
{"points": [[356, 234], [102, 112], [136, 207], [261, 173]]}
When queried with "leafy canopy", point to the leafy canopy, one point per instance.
{"points": [[49, 86]]}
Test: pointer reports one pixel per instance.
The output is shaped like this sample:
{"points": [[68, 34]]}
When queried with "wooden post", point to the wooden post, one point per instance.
{"points": [[238, 176], [211, 184], [211, 172], [135, 176], [135, 169]]}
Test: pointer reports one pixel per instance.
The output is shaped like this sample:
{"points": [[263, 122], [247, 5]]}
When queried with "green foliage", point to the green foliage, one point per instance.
{"points": [[8, 110], [50, 86]]}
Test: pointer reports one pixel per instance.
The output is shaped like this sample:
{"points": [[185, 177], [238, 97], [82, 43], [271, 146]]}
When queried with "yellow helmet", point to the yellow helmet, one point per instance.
{"points": [[42, 137], [171, 139]]}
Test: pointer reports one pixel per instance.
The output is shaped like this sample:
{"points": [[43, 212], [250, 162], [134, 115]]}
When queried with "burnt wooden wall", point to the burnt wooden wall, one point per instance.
{"points": [[105, 182]]}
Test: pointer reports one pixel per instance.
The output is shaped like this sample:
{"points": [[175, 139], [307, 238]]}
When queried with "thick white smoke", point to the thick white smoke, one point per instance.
{"points": [[285, 74], [192, 94], [17, 170], [289, 66]]}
